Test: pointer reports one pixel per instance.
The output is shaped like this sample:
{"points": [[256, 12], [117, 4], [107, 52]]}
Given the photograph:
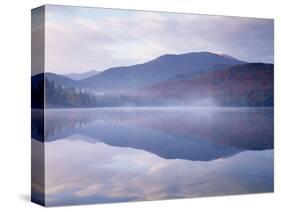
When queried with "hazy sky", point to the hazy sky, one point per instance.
{"points": [[81, 39]]}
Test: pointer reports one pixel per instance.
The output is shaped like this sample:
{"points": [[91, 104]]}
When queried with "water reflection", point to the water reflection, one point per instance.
{"points": [[186, 134], [113, 155], [80, 172]]}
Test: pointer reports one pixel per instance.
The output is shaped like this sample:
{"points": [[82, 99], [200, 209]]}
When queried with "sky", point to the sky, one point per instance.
{"points": [[80, 39]]}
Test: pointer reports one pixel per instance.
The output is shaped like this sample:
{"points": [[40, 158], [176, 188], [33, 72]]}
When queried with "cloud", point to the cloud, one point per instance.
{"points": [[80, 39]]}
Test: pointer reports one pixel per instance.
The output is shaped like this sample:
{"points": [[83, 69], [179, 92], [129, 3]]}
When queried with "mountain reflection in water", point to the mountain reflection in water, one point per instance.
{"points": [[113, 155]]}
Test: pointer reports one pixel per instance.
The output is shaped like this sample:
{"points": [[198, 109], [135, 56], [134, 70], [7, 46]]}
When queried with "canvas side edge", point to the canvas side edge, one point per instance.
{"points": [[37, 105]]}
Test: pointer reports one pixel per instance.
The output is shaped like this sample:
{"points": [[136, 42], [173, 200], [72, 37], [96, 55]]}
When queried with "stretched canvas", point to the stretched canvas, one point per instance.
{"points": [[139, 105]]}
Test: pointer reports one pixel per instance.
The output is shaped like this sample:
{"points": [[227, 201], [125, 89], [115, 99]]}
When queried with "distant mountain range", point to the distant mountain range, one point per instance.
{"points": [[180, 79], [80, 76], [121, 79]]}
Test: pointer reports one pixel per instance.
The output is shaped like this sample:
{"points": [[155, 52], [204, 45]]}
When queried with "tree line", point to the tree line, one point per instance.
{"points": [[57, 96], [71, 97]]}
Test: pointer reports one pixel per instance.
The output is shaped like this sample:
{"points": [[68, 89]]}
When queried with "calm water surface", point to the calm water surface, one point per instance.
{"points": [[116, 155]]}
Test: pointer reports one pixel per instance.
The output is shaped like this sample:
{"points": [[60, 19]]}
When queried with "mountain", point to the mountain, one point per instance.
{"points": [[248, 84], [187, 76], [193, 79], [60, 80], [125, 78], [80, 76]]}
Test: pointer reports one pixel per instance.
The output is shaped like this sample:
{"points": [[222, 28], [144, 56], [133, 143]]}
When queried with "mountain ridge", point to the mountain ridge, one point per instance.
{"points": [[80, 76], [119, 79], [248, 84]]}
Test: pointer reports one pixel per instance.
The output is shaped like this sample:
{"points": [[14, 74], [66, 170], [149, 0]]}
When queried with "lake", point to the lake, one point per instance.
{"points": [[133, 154]]}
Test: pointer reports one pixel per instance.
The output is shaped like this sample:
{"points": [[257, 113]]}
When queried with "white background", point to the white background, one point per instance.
{"points": [[15, 104]]}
